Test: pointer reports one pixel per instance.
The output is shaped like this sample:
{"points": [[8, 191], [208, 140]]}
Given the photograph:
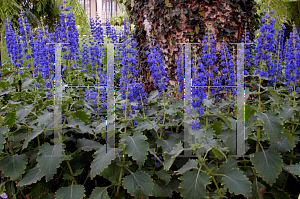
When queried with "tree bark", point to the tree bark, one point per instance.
{"points": [[154, 17]]}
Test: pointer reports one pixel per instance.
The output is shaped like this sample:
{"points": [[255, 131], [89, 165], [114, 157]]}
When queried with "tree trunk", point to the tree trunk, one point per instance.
{"points": [[186, 21]]}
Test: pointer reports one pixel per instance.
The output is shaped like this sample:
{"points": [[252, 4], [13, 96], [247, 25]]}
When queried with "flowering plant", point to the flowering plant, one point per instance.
{"points": [[147, 158]]}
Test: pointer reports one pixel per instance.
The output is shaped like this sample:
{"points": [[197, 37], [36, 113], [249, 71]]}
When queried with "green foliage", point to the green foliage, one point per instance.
{"points": [[146, 161]]}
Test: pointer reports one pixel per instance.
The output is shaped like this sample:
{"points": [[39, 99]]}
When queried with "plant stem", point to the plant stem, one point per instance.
{"points": [[9, 146], [259, 107], [121, 174], [210, 173]]}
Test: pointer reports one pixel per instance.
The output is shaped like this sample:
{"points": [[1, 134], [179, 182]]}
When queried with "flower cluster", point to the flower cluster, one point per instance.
{"points": [[129, 88], [157, 71]]}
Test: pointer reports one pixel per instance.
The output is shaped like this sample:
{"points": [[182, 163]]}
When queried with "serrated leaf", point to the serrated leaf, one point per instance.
{"points": [[32, 176], [138, 184], [295, 169], [31, 135], [191, 164], [168, 144], [170, 157], [199, 134], [287, 112], [193, 184], [256, 187], [226, 167], [237, 182], [23, 112], [70, 192], [100, 193], [268, 165], [164, 175], [289, 137], [10, 118], [88, 145], [103, 158], [275, 96], [217, 126], [249, 111], [49, 159], [44, 118], [207, 103], [283, 145], [81, 115], [67, 176], [136, 147], [13, 166], [225, 119], [277, 194], [273, 124], [112, 173], [160, 189], [81, 125], [218, 152]]}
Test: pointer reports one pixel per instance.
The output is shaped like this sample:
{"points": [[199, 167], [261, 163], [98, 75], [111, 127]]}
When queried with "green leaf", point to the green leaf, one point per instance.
{"points": [[284, 144], [72, 192], [81, 125], [2, 186], [273, 124], [49, 159], [287, 112], [160, 189], [32, 176], [218, 152], [191, 164], [44, 118], [138, 184], [136, 147], [207, 103], [295, 169], [88, 145], [164, 175], [268, 165], [226, 167], [289, 136], [31, 135], [13, 166], [193, 184], [256, 187], [275, 96], [217, 126], [102, 159], [168, 144], [10, 118], [249, 111], [199, 134], [277, 194], [225, 119], [100, 193], [23, 112], [171, 156], [112, 173], [237, 182], [81, 115], [2, 140]]}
